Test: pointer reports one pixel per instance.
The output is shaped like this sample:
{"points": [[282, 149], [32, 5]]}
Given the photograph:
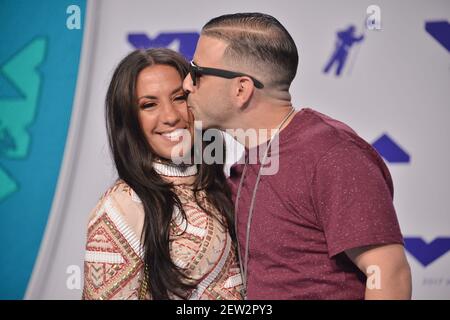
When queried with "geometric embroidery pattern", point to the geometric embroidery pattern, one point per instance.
{"points": [[103, 280], [200, 245]]}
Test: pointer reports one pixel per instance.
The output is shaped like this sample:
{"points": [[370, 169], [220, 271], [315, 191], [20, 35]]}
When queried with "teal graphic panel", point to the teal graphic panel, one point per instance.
{"points": [[39, 59]]}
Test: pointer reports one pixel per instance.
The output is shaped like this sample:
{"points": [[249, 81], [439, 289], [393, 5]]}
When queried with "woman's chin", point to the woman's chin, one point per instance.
{"points": [[176, 156]]}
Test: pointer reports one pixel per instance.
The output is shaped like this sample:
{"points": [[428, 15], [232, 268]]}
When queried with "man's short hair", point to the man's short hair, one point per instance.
{"points": [[258, 41]]}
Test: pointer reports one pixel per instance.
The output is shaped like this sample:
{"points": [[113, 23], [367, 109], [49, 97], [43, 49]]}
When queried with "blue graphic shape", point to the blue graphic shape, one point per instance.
{"points": [[427, 253], [344, 42], [440, 31], [390, 150], [183, 42]]}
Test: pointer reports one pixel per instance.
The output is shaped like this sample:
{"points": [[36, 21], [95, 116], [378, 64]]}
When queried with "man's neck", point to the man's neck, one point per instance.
{"points": [[258, 124]]}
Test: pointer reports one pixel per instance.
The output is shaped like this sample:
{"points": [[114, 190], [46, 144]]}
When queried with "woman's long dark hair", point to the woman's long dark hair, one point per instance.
{"points": [[133, 158]]}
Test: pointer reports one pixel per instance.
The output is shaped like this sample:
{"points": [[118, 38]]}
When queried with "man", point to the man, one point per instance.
{"points": [[325, 222]]}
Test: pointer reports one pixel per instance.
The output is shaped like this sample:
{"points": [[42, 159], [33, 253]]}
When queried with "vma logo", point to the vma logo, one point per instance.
{"points": [[345, 40], [440, 31], [18, 113], [183, 42], [427, 253], [391, 151]]}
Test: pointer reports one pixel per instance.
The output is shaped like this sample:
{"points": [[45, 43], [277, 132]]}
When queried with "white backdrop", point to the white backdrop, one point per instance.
{"points": [[396, 81]]}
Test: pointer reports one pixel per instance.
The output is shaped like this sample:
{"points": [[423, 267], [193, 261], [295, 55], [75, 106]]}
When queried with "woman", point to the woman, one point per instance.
{"points": [[161, 232]]}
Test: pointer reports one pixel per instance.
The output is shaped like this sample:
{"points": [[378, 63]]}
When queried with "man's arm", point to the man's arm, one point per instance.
{"points": [[387, 270]]}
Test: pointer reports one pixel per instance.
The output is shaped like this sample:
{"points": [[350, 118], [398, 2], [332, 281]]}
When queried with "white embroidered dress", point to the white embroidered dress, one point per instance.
{"points": [[114, 267]]}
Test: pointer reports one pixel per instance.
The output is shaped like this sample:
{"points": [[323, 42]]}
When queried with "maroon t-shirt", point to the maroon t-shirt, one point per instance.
{"points": [[332, 193]]}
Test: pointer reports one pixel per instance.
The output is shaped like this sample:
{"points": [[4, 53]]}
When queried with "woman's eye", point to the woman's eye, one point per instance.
{"points": [[181, 98], [148, 105]]}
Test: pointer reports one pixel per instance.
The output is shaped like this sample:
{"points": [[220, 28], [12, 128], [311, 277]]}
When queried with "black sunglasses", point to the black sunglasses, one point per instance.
{"points": [[197, 71]]}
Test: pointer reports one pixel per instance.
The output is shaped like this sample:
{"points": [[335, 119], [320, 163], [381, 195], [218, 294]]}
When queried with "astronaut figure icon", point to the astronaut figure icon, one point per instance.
{"points": [[345, 40]]}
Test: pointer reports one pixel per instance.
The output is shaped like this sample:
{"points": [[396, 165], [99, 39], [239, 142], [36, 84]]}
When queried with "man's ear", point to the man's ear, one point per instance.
{"points": [[243, 91]]}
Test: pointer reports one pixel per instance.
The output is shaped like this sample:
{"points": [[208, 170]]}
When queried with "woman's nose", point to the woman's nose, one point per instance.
{"points": [[188, 86], [170, 115]]}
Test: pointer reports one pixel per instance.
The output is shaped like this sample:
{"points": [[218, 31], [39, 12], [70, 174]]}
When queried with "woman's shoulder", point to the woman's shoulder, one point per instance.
{"points": [[122, 207], [122, 192], [114, 254]]}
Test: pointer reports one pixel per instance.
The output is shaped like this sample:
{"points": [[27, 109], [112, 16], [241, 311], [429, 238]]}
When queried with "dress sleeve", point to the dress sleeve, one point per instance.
{"points": [[113, 266]]}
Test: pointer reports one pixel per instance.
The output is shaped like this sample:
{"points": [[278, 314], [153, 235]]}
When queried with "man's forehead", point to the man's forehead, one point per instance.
{"points": [[209, 50]]}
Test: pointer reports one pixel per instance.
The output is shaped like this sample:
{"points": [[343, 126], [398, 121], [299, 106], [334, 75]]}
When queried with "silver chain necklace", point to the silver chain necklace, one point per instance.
{"points": [[243, 264]]}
